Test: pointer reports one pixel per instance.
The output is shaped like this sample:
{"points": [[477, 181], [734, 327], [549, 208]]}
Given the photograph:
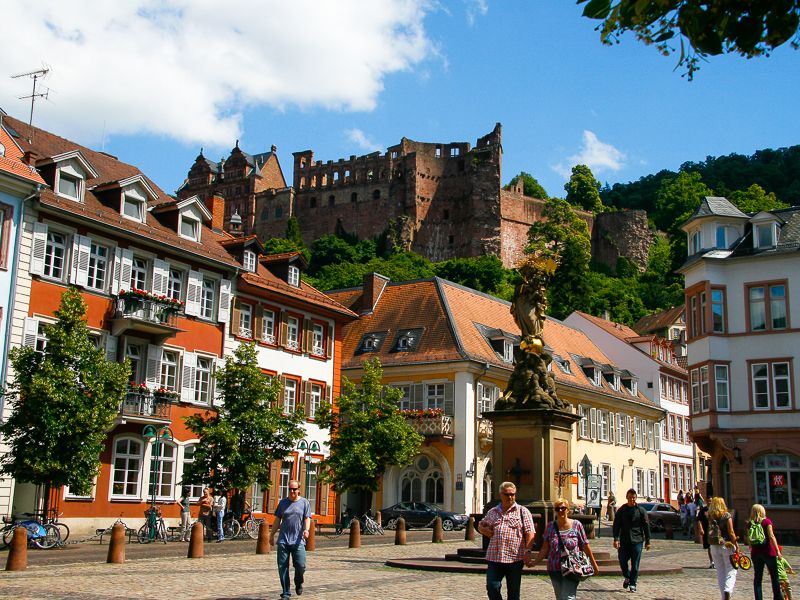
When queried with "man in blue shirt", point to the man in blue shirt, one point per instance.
{"points": [[293, 520]]}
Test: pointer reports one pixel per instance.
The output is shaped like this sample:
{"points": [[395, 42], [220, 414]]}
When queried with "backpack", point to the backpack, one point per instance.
{"points": [[717, 529], [755, 534]]}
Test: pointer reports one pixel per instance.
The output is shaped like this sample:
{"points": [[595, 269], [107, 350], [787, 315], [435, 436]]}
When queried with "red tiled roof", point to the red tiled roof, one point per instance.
{"points": [[282, 256], [659, 320], [239, 241], [618, 330], [11, 161]]}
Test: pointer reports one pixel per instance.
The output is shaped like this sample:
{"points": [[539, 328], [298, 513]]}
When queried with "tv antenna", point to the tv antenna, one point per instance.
{"points": [[35, 75]]}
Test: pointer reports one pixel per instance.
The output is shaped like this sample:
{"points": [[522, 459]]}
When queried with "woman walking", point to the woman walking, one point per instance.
{"points": [[567, 534], [185, 514], [722, 542], [764, 554]]}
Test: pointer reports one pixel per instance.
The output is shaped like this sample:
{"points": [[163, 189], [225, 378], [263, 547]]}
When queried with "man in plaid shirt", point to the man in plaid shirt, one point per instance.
{"points": [[510, 529]]}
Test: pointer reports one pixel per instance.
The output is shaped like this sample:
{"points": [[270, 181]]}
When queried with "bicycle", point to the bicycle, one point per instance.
{"points": [[40, 535], [153, 529], [250, 526], [740, 560], [52, 518], [370, 525]]}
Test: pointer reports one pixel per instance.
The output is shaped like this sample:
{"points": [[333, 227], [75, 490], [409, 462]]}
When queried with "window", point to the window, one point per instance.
{"points": [[671, 427], [195, 491], [69, 185], [311, 485], [777, 478], [190, 228], [695, 391], [175, 284], [316, 399], [98, 267], [162, 471], [760, 378], [138, 273], [285, 476], [679, 430], [704, 391], [721, 238], [133, 353], [487, 396], [434, 396], [693, 332], [294, 276], [584, 423], [603, 433], [169, 370], [292, 333], [289, 396], [718, 311], [767, 305], [764, 235], [771, 385], [268, 327], [202, 383], [207, 299], [249, 261], [721, 387], [317, 340], [278, 212], [127, 465], [622, 429], [133, 207], [55, 255], [508, 351], [454, 151], [405, 399], [695, 244], [245, 321]]}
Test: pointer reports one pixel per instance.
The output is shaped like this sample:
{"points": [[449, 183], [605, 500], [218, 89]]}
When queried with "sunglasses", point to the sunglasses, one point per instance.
{"points": [[561, 508], [509, 494], [293, 489]]}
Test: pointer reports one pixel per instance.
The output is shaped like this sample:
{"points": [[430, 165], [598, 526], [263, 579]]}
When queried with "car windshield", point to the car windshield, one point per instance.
{"points": [[433, 507], [648, 506]]}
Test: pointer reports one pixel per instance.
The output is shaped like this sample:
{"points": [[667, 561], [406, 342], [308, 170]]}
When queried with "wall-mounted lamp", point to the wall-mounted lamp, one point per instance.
{"points": [[630, 462], [471, 471], [737, 454]]}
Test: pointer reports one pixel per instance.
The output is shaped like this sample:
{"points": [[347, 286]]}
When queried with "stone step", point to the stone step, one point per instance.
{"points": [[599, 555], [480, 560]]}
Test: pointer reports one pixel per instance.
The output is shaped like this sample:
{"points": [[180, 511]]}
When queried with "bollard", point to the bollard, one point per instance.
{"points": [[262, 546], [438, 532], [18, 555], [116, 547], [400, 532], [698, 539], [196, 541], [668, 531], [469, 530], [311, 542], [355, 534]]}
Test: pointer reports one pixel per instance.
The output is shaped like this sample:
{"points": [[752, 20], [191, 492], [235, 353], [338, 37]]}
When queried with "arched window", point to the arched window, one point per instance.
{"points": [[410, 488], [127, 461], [195, 491], [422, 481], [162, 471], [777, 478], [434, 488]]}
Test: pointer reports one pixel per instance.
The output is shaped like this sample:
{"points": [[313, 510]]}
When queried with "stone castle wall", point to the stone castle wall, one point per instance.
{"points": [[621, 234]]}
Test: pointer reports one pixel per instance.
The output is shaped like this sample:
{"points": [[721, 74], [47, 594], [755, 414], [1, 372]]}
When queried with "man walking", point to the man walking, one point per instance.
{"points": [[631, 530], [510, 529], [293, 519]]}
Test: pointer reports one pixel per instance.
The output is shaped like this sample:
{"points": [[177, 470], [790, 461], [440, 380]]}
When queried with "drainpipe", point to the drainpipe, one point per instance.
{"points": [[476, 444]]}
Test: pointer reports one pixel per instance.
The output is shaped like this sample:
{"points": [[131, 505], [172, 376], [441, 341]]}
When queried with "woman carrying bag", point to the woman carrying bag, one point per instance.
{"points": [[722, 543], [564, 536], [764, 551]]}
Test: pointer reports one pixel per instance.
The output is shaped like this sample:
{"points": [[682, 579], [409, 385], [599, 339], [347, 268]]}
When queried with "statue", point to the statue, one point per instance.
{"points": [[531, 385]]}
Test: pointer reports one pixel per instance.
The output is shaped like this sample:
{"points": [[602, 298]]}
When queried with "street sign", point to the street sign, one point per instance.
{"points": [[594, 481], [586, 466], [593, 498]]}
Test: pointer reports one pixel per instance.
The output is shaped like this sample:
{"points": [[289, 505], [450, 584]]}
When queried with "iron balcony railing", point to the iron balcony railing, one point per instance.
{"points": [[146, 405], [146, 309]]}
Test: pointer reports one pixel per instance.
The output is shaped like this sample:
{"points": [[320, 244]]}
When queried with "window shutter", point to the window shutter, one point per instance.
{"points": [[284, 326], [322, 498], [274, 490], [160, 277], [236, 317], [301, 477], [258, 322], [282, 393], [305, 396], [612, 427], [111, 348], [81, 250], [657, 436], [154, 354], [219, 363], [636, 432], [125, 269], [38, 249], [593, 423], [188, 376], [479, 400], [581, 481], [194, 288], [31, 329], [329, 345], [449, 389], [614, 480], [223, 314]]}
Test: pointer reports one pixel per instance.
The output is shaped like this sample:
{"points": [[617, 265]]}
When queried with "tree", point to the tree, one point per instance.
{"points": [[64, 401], [485, 273], [755, 199], [562, 232], [707, 27], [530, 186], [677, 199], [250, 430], [293, 242], [368, 434], [583, 190]]}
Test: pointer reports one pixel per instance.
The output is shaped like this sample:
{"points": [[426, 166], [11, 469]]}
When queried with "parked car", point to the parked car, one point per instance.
{"points": [[660, 514], [421, 514]]}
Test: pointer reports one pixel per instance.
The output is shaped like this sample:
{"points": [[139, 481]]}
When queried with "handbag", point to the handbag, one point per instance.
{"points": [[574, 563]]}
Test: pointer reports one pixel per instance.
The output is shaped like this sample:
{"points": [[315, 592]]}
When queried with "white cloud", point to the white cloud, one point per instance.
{"points": [[360, 139], [187, 70], [475, 9], [598, 156]]}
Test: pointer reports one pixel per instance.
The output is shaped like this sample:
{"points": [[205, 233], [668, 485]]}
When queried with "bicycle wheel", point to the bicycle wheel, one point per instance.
{"points": [[51, 537], [231, 529], [143, 535], [745, 563], [63, 531], [251, 527], [8, 535]]}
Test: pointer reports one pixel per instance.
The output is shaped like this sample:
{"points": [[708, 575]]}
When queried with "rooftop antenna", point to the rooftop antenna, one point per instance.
{"points": [[35, 75]]}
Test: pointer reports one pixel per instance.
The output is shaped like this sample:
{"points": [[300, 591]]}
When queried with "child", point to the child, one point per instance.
{"points": [[784, 570]]}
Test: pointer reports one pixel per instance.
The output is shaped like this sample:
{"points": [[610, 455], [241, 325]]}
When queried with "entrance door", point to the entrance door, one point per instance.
{"points": [[667, 491]]}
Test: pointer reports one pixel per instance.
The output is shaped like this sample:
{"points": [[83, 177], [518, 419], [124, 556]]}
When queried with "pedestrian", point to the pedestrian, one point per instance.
{"points": [[509, 527], [611, 506], [691, 513], [784, 570], [186, 515], [723, 543], [631, 531], [220, 505], [702, 527], [764, 554], [567, 534], [680, 499], [206, 505], [293, 520]]}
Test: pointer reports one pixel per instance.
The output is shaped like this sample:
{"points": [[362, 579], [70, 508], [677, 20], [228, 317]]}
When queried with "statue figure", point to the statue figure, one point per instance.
{"points": [[531, 385]]}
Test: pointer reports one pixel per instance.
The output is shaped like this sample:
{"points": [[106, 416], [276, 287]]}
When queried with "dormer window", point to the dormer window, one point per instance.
{"points": [[69, 186], [562, 363], [407, 340], [722, 241], [133, 206], [631, 385], [294, 276], [189, 228], [695, 243], [249, 261], [612, 379], [508, 351], [371, 342], [592, 374], [764, 235]]}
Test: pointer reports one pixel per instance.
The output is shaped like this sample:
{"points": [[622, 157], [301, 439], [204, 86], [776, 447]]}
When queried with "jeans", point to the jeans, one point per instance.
{"points": [[564, 587], [298, 554], [495, 572], [771, 562], [632, 553], [185, 527], [220, 535]]}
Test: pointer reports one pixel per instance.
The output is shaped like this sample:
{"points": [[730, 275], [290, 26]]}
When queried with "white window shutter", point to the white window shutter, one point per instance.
{"points": [[479, 400], [657, 436], [31, 329], [614, 480], [188, 376], [224, 311], [125, 269], [219, 363], [81, 250], [111, 347], [194, 288], [38, 249], [593, 423], [115, 270], [612, 427], [152, 377], [160, 277]]}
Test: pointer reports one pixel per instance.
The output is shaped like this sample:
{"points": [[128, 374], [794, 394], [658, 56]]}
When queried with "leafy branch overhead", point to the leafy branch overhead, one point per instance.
{"points": [[701, 27]]}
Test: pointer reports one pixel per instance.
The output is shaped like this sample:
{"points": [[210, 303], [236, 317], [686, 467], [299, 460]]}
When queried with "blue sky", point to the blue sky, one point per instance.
{"points": [[152, 81]]}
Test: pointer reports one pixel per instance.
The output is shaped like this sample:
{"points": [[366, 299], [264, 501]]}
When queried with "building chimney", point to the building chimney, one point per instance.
{"points": [[216, 204], [374, 284], [30, 157]]}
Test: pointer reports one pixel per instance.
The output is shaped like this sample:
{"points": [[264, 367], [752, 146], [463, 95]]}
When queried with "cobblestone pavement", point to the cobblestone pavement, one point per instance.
{"points": [[339, 572]]}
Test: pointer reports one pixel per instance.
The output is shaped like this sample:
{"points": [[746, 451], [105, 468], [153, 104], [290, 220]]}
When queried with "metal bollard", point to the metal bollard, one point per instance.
{"points": [[355, 534], [116, 547], [669, 533], [311, 542], [262, 546], [469, 530], [18, 555], [400, 532], [196, 549], [438, 532]]}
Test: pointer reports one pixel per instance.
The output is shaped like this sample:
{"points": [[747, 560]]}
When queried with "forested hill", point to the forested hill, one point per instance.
{"points": [[776, 171]]}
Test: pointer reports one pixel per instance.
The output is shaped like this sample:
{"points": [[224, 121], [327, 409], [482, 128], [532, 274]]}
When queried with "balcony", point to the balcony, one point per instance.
{"points": [[145, 407], [148, 315], [432, 425], [485, 434]]}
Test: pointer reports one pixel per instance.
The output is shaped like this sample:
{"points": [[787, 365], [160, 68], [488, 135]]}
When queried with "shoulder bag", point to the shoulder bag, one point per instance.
{"points": [[574, 563]]}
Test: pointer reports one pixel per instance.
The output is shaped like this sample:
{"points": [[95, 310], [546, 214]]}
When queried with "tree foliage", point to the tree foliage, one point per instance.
{"points": [[368, 434], [754, 199], [583, 190], [701, 27], [293, 242], [530, 186], [238, 442], [63, 403]]}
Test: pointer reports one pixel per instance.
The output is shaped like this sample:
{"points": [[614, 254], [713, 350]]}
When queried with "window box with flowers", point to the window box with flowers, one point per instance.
{"points": [[430, 421], [143, 305]]}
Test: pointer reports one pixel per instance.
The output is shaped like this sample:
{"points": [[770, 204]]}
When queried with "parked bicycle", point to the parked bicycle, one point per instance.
{"points": [[40, 535], [369, 526], [51, 517], [154, 529]]}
